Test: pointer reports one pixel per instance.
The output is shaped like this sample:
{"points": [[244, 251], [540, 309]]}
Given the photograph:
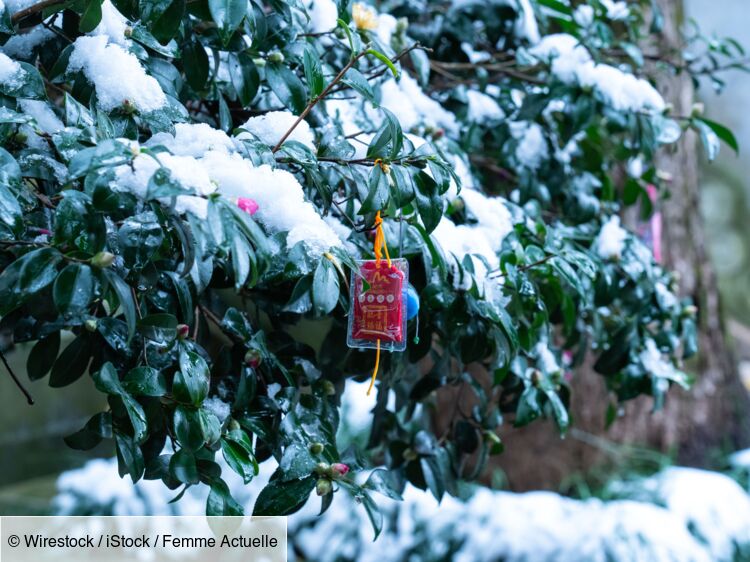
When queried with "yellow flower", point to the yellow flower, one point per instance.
{"points": [[365, 17]]}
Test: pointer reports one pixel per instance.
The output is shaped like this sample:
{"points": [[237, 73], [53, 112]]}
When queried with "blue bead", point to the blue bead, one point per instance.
{"points": [[412, 302]]}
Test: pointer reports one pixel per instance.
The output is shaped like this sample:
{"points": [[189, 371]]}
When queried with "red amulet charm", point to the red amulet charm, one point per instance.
{"points": [[378, 310]]}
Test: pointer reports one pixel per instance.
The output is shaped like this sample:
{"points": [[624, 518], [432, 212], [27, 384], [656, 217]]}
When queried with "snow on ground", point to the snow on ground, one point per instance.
{"points": [[680, 514]]}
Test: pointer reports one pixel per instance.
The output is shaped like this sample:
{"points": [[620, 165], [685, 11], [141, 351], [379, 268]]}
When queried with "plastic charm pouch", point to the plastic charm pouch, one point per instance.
{"points": [[377, 317]]}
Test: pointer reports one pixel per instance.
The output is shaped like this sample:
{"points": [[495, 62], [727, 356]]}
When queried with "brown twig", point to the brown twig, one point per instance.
{"points": [[316, 99], [35, 8], [332, 89]]}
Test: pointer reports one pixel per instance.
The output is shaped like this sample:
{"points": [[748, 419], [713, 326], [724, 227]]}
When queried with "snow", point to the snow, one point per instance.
{"points": [[666, 297], [117, 75], [387, 25], [281, 201], [207, 161], [652, 360], [356, 408], [532, 148], [271, 126], [11, 73], [323, 15], [616, 10], [572, 64], [713, 507], [584, 15], [635, 167], [473, 55], [185, 169], [681, 514], [217, 407], [193, 139], [484, 238], [610, 243], [347, 113], [526, 26], [98, 488], [113, 24], [740, 459], [482, 107], [546, 359], [22, 46], [45, 118], [412, 107]]}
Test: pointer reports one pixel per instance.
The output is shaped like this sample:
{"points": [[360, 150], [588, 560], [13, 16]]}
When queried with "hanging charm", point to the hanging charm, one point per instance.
{"points": [[377, 314]]}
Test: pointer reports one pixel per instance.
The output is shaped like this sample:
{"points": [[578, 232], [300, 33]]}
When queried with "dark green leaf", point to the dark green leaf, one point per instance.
{"points": [[129, 457], [220, 502], [325, 288], [191, 382], [145, 381], [72, 362], [91, 16], [228, 15], [26, 276], [183, 468], [283, 498], [287, 86], [313, 73], [74, 289], [42, 356]]}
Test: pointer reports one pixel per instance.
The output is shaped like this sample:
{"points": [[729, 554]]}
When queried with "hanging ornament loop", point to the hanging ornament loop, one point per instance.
{"points": [[380, 245]]}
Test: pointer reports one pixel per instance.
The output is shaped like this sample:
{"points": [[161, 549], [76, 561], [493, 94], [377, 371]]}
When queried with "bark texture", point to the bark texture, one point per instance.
{"points": [[697, 424]]}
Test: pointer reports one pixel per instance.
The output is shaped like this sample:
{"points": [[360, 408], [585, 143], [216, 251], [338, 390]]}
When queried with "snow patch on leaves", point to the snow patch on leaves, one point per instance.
{"points": [[323, 15], [116, 74], [113, 24], [571, 63], [193, 139], [22, 46], [406, 100], [11, 73], [270, 127]]}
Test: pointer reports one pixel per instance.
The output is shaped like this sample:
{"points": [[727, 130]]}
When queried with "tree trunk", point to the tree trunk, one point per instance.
{"points": [[696, 424]]}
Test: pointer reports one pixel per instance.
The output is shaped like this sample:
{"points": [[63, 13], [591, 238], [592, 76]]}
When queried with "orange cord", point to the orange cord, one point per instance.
{"points": [[378, 247], [375, 370]]}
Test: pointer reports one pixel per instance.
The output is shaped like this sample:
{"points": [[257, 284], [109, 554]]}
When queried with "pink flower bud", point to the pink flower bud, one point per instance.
{"points": [[248, 205], [183, 331], [339, 469]]}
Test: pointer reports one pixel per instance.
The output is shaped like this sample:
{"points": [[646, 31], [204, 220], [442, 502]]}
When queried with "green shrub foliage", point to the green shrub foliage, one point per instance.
{"points": [[498, 139]]}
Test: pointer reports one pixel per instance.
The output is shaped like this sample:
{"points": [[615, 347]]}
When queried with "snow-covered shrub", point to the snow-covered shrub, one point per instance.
{"points": [[182, 186]]}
